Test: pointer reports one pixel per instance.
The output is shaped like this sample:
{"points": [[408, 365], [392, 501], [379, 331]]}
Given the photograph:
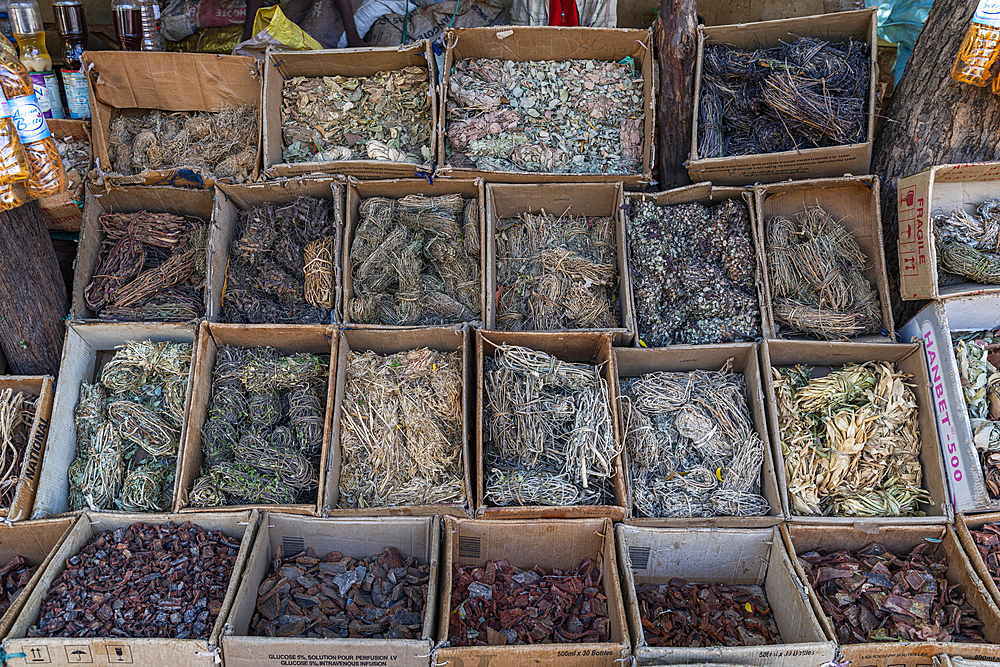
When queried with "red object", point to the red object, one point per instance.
{"points": [[563, 12]]}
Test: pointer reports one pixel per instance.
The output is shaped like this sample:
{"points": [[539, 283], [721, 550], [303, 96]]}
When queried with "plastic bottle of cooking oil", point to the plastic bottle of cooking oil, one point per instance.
{"points": [[26, 23], [976, 61], [13, 161]]}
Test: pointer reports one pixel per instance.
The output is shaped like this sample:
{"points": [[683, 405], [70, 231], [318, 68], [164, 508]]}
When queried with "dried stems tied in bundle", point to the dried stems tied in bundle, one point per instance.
{"points": [[969, 244], [17, 413]]}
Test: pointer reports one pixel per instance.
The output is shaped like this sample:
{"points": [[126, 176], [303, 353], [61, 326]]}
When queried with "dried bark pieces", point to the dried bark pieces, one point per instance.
{"points": [[14, 576]]}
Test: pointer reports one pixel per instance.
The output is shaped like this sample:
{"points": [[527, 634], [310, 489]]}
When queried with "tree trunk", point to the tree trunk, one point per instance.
{"points": [[931, 120], [676, 44], [32, 294]]}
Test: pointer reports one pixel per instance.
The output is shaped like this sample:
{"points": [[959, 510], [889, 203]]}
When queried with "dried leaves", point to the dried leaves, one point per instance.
{"points": [[874, 595], [501, 604], [979, 369], [386, 116]]}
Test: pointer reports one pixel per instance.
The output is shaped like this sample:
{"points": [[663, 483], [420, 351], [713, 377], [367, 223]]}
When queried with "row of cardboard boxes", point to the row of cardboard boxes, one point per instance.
{"points": [[630, 556], [126, 83], [852, 200]]}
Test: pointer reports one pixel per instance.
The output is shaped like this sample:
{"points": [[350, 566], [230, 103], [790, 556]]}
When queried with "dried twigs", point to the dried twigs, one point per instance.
{"points": [[318, 285], [979, 369], [17, 412]]}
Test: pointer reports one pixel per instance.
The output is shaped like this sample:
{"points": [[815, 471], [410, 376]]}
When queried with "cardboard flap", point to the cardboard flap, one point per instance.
{"points": [[521, 43]]}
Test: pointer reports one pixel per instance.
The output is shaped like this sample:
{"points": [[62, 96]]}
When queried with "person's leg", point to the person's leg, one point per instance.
{"points": [[347, 14]]}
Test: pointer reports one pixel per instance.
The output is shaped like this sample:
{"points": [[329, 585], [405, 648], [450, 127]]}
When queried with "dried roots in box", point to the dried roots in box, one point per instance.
{"points": [[386, 116], [263, 437], [850, 441], [969, 244], [416, 261], [17, 413], [221, 145], [151, 268], [547, 431], [978, 358], [557, 273], [817, 278], [401, 430], [574, 116], [281, 264], [694, 273], [128, 428], [806, 93], [691, 445]]}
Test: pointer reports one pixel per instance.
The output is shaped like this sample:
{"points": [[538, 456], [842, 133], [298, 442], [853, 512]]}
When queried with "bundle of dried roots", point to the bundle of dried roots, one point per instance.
{"points": [[17, 413]]}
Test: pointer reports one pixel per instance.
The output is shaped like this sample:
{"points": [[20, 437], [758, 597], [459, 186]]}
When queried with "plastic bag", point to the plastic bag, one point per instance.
{"points": [[271, 28], [899, 22]]}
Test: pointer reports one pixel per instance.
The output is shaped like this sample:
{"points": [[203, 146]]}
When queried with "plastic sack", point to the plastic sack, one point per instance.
{"points": [[271, 28], [182, 18], [429, 22], [900, 22], [210, 40]]}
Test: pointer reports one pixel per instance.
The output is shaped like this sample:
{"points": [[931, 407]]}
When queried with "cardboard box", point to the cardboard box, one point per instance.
{"points": [[133, 82], [921, 654], [64, 212], [938, 190], [284, 65], [86, 349], [587, 348], [180, 201], [964, 523], [586, 199], [525, 43], [735, 556], [356, 538], [795, 164], [934, 325], [387, 342], [549, 544], [358, 191], [825, 357], [800, 539], [287, 339], [40, 386], [701, 193], [23, 650], [231, 200], [854, 203], [631, 362], [716, 12]]}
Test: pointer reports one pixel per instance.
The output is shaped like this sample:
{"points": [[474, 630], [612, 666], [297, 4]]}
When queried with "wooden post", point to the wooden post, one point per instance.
{"points": [[32, 294], [676, 44]]}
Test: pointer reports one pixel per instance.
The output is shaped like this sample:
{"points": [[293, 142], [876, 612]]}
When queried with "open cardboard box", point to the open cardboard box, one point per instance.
{"points": [[734, 556], [232, 200], [283, 65], [63, 212], [854, 203], [86, 349], [356, 538], [855, 159], [938, 190], [180, 201], [40, 387], [358, 191], [824, 357], [287, 339], [559, 199], [964, 524], [700, 193], [133, 82], [23, 650], [547, 543], [899, 539], [587, 348], [632, 362], [388, 342], [526, 43]]}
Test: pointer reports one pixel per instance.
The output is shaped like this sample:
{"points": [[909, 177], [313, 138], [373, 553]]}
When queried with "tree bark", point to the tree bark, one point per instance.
{"points": [[676, 44], [931, 120], [32, 294]]}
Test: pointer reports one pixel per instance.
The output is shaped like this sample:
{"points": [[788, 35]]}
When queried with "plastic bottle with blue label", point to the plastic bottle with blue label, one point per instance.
{"points": [[977, 59], [13, 162]]}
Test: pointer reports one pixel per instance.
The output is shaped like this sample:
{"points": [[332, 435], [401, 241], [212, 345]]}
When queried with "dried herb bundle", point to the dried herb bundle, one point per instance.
{"points": [[381, 597], [17, 412], [557, 273], [548, 434], [574, 116], [987, 541], [875, 595], [128, 428], [694, 273], [978, 357], [501, 604], [683, 614], [264, 433], [969, 244], [850, 441], [386, 116], [151, 268], [222, 145], [816, 272], [691, 445], [416, 260], [401, 430], [272, 274], [806, 93], [14, 576]]}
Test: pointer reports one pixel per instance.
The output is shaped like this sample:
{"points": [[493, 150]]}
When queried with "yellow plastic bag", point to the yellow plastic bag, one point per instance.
{"points": [[272, 28]]}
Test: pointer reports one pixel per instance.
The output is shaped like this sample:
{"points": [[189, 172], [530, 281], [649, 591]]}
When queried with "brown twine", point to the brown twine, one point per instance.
{"points": [[319, 273]]}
